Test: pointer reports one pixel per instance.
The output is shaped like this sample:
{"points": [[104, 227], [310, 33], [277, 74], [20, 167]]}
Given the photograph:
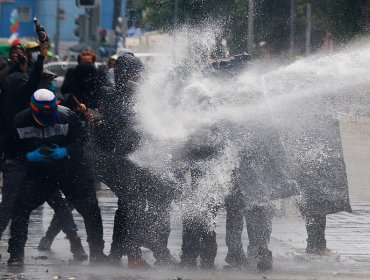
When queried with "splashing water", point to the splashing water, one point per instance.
{"points": [[172, 106]]}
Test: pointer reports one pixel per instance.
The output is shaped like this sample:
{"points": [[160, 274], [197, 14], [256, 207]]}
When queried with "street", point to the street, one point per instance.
{"points": [[348, 235]]}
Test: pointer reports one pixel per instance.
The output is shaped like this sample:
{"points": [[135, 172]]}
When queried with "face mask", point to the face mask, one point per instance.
{"points": [[34, 56]]}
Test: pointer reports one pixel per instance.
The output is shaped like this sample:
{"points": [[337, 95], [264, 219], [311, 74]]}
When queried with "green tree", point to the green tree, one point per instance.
{"points": [[341, 18]]}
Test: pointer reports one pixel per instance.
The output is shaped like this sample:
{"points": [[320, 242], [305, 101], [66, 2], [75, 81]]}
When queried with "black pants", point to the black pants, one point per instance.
{"points": [[198, 240], [77, 186], [258, 221], [198, 235], [315, 226], [14, 175], [55, 226], [137, 190]]}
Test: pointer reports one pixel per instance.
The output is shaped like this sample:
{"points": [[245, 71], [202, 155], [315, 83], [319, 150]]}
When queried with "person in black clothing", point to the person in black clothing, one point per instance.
{"points": [[81, 101], [47, 139], [16, 90], [199, 212], [69, 82], [134, 186]]}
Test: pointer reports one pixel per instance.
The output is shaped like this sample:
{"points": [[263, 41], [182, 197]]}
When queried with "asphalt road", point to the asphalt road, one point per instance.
{"points": [[348, 236]]}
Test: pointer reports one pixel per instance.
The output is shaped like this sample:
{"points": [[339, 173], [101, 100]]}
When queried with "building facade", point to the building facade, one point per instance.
{"points": [[46, 12]]}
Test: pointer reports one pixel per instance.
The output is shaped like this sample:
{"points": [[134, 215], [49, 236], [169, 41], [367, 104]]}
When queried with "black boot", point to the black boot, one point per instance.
{"points": [[16, 258], [77, 249], [188, 262], [98, 256], [236, 259], [265, 259], [45, 244]]}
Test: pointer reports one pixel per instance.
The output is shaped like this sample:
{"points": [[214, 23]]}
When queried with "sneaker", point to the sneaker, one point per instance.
{"points": [[236, 259], [45, 244], [77, 249], [265, 259], [15, 261], [137, 263]]}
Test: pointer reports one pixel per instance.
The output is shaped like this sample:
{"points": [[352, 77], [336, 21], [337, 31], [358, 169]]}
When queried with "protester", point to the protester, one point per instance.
{"points": [[17, 88], [58, 154], [110, 68], [132, 184], [85, 57], [83, 101], [32, 51]]}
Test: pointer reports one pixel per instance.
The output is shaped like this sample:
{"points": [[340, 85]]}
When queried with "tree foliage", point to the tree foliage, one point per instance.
{"points": [[341, 18]]}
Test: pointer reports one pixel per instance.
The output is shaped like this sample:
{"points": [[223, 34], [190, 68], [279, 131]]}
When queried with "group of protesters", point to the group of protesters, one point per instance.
{"points": [[55, 148]]}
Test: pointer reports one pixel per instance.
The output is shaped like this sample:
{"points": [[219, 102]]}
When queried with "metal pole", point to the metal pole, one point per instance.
{"points": [[57, 33], [250, 38], [292, 28], [176, 14], [87, 27], [308, 29]]}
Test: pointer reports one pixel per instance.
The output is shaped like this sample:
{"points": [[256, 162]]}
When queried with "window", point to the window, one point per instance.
{"points": [[24, 14]]}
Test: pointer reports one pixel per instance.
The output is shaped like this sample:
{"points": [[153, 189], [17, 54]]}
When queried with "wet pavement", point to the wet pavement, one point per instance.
{"points": [[348, 235]]}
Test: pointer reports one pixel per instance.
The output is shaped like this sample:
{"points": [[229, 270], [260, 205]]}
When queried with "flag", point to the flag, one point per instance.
{"points": [[14, 22], [14, 25], [13, 39]]}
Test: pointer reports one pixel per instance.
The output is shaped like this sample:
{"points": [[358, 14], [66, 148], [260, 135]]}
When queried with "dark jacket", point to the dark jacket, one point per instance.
{"points": [[68, 85], [119, 132], [17, 89], [27, 136]]}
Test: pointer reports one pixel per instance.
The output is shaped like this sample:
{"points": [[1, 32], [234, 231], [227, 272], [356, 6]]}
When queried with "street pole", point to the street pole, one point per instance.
{"points": [[292, 28], [57, 32], [176, 14], [119, 25], [308, 29], [250, 38], [87, 27]]}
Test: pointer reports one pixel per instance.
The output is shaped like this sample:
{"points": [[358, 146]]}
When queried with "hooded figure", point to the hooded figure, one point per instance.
{"points": [[311, 135], [134, 186], [86, 85], [44, 107], [48, 139]]}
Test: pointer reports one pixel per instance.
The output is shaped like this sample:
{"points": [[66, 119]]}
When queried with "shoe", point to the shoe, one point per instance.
{"points": [[98, 258], [77, 249], [321, 253], [188, 264], [45, 244], [207, 265], [15, 260], [114, 259], [265, 259], [236, 259], [137, 263]]}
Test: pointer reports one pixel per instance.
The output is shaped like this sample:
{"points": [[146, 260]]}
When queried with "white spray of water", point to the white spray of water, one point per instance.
{"points": [[171, 108]]}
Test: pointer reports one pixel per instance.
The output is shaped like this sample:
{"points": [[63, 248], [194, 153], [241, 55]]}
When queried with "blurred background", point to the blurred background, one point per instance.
{"points": [[287, 28]]}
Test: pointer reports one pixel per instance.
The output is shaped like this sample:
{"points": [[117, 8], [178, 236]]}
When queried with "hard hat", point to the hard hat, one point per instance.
{"points": [[114, 57], [31, 45]]}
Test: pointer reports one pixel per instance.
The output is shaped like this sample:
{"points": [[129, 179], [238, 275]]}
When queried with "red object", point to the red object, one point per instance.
{"points": [[138, 263], [15, 42], [14, 27]]}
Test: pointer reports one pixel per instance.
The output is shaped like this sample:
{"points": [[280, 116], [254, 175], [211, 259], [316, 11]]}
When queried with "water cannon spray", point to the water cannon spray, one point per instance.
{"points": [[41, 33]]}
